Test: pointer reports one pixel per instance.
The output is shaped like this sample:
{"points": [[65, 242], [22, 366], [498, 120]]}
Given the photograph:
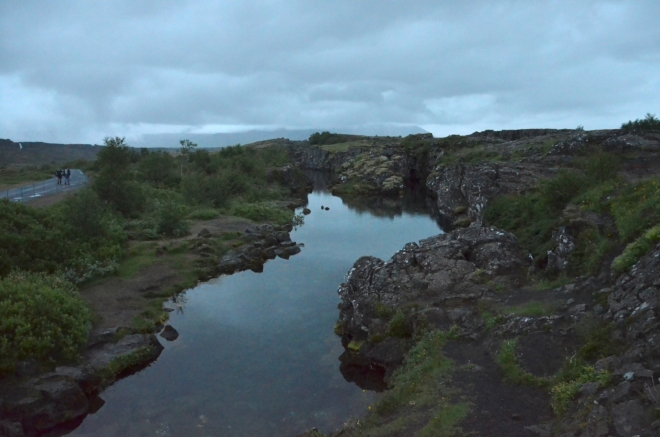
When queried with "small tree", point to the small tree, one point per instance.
{"points": [[114, 182], [187, 147]]}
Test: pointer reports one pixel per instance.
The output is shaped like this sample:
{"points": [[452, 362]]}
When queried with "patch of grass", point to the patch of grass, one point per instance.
{"points": [[10, 177], [534, 309], [547, 284], [125, 363], [636, 208], [260, 212], [152, 317], [204, 214], [597, 338], [445, 421], [345, 147], [490, 320], [507, 360], [130, 266], [353, 188], [563, 392], [383, 311], [418, 380], [590, 249], [419, 396], [637, 249], [528, 218]]}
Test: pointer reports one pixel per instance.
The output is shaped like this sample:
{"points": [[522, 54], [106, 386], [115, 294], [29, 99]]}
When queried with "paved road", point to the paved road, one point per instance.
{"points": [[45, 188]]}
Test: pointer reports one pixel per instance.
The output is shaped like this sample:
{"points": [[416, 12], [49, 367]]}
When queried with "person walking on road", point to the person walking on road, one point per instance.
{"points": [[58, 173], [67, 175]]}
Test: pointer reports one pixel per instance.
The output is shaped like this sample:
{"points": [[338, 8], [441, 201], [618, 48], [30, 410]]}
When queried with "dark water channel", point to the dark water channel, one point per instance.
{"points": [[257, 355]]}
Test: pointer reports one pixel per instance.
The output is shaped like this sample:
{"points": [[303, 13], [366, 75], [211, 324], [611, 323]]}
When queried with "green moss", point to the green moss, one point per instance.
{"points": [[355, 346], [463, 222], [126, 363]]}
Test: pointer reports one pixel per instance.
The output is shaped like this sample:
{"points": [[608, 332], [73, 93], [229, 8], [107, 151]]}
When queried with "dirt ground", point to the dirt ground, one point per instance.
{"points": [[116, 301]]}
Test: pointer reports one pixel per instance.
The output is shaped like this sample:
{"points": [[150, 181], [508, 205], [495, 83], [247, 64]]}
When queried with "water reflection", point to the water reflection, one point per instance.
{"points": [[256, 353]]}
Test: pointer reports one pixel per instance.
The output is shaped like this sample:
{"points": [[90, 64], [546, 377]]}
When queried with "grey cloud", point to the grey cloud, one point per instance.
{"points": [[302, 64]]}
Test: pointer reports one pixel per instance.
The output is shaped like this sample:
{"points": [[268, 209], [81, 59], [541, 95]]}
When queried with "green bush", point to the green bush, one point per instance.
{"points": [[325, 138], [171, 219], [43, 318], [650, 122], [400, 326]]}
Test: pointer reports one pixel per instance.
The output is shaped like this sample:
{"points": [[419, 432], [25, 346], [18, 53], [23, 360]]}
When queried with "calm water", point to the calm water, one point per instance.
{"points": [[257, 355]]}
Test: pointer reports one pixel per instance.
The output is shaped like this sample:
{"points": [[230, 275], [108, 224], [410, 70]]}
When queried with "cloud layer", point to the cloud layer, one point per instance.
{"points": [[78, 71]]}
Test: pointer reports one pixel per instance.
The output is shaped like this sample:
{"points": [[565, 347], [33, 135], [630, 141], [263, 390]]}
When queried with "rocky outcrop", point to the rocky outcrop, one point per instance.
{"points": [[31, 406], [471, 187], [439, 282], [445, 282], [292, 178], [267, 242]]}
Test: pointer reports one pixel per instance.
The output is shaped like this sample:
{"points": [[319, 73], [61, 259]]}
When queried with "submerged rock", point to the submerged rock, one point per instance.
{"points": [[169, 333]]}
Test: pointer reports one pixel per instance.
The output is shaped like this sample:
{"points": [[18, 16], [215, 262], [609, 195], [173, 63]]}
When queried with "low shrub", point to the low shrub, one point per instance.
{"points": [[171, 219], [43, 318], [563, 392]]}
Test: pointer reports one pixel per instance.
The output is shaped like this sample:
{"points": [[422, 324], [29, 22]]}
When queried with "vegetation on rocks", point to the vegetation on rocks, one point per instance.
{"points": [[419, 400]]}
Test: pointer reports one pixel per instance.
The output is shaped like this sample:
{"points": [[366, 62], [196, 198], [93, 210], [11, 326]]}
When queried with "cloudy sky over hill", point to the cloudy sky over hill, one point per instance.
{"points": [[78, 71]]}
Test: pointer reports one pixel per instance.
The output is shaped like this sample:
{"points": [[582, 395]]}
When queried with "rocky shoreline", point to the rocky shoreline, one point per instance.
{"points": [[475, 283]]}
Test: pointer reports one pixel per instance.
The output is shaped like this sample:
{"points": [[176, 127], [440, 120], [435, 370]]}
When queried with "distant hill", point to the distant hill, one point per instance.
{"points": [[253, 136], [36, 153]]}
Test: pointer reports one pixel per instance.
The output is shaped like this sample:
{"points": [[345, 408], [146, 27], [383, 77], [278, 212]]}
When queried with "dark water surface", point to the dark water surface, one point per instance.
{"points": [[257, 355]]}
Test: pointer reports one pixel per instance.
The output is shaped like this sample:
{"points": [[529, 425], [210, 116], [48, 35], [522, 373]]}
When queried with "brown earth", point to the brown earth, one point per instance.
{"points": [[117, 301]]}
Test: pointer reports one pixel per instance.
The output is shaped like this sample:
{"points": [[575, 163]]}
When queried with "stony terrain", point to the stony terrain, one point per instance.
{"points": [[527, 355]]}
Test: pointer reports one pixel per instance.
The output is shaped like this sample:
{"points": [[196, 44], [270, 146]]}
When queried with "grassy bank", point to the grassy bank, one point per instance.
{"points": [[130, 218]]}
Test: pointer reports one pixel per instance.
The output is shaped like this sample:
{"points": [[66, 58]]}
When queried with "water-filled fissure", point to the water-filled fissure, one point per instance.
{"points": [[257, 354]]}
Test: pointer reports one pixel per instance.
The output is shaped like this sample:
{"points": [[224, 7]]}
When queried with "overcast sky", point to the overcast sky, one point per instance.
{"points": [[77, 71]]}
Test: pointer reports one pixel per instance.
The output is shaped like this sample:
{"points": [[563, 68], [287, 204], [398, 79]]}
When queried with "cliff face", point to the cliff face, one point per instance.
{"points": [[528, 358]]}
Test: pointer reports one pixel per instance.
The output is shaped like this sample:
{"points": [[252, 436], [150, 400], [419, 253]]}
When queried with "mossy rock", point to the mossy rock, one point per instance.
{"points": [[462, 222], [459, 210], [355, 345]]}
